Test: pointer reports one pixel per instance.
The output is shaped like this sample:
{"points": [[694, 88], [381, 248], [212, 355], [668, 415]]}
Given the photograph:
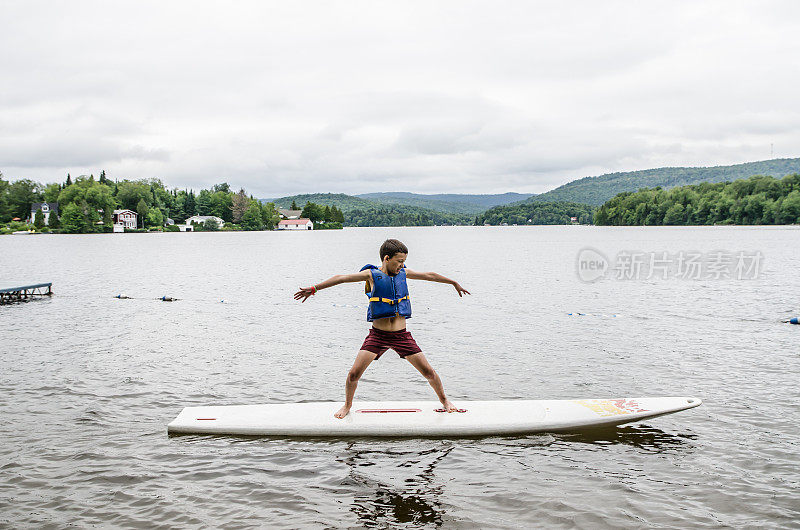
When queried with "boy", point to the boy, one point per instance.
{"points": [[389, 307]]}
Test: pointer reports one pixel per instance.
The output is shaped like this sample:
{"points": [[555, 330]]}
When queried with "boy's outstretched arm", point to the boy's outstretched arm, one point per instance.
{"points": [[305, 292], [435, 277]]}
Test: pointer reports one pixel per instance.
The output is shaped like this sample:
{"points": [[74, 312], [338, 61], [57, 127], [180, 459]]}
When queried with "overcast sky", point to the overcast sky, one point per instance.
{"points": [[361, 96]]}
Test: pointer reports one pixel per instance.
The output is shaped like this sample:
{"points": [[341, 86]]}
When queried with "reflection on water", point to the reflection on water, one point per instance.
{"points": [[416, 500], [649, 439]]}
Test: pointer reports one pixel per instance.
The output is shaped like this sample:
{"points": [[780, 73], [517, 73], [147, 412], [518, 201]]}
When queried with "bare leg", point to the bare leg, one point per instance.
{"points": [[419, 362], [363, 359]]}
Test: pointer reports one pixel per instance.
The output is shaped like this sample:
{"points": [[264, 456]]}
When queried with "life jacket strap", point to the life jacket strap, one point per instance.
{"points": [[389, 300]]}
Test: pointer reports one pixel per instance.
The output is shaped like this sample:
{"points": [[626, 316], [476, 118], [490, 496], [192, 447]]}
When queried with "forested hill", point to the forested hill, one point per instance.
{"points": [[340, 200], [446, 202], [364, 212], [537, 213], [598, 190], [756, 200]]}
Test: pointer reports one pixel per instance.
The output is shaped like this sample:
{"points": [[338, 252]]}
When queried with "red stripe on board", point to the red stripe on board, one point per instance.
{"points": [[383, 411]]}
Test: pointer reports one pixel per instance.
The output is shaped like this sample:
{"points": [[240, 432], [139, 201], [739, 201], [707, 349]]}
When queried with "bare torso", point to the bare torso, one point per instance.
{"points": [[396, 323]]}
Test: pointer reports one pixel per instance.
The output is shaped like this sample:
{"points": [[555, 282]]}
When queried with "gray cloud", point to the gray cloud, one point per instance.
{"points": [[365, 96]]}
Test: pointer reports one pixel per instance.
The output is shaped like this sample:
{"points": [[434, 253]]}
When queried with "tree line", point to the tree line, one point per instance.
{"points": [[537, 213], [362, 212], [752, 201], [323, 216], [87, 204]]}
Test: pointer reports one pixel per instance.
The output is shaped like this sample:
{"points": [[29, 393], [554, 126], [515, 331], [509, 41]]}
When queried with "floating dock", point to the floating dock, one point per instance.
{"points": [[25, 293]]}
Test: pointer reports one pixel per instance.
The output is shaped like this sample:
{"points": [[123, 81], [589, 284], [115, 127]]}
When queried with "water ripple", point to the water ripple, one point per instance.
{"points": [[90, 381]]}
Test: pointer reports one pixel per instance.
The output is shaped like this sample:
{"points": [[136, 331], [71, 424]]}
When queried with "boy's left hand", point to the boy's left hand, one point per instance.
{"points": [[304, 293], [460, 289]]}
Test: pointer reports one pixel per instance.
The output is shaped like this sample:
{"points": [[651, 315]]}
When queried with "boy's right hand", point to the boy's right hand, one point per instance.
{"points": [[304, 293]]}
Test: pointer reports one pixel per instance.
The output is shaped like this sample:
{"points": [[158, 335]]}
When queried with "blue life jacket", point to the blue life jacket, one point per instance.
{"points": [[389, 296]]}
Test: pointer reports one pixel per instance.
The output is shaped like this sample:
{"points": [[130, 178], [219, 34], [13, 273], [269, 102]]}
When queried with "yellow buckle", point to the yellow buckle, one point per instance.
{"points": [[389, 300]]}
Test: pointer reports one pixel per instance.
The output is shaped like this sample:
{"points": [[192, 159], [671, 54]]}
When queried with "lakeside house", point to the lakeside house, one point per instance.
{"points": [[201, 219], [123, 219], [47, 209], [296, 224], [289, 214]]}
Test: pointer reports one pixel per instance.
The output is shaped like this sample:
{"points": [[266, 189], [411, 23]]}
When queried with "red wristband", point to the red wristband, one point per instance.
{"points": [[314, 289]]}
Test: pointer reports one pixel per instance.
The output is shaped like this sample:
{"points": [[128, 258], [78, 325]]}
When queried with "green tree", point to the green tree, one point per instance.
{"points": [[142, 209], [251, 219], [99, 197], [221, 205], [269, 215], [38, 220], [90, 214], [154, 217], [204, 203], [674, 215], [211, 225], [312, 211], [130, 193], [72, 220], [51, 192], [91, 196], [21, 194], [294, 205], [790, 208], [179, 209], [190, 207], [53, 221]]}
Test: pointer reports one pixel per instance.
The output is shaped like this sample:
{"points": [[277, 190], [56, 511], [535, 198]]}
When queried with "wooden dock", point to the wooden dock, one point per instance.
{"points": [[25, 293]]}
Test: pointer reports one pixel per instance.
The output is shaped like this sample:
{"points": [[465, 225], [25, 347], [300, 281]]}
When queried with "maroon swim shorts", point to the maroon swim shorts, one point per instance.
{"points": [[378, 341]]}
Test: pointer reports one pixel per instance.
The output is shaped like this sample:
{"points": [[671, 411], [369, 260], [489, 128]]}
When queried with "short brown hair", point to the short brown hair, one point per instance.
{"points": [[391, 247]]}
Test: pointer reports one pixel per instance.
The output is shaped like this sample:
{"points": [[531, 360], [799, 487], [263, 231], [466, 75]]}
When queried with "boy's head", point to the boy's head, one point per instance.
{"points": [[393, 254]]}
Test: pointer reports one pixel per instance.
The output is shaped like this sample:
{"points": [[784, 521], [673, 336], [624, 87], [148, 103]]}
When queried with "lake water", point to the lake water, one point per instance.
{"points": [[89, 382]]}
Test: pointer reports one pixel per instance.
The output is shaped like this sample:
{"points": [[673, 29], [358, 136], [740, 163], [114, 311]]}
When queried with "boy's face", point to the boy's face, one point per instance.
{"points": [[395, 263]]}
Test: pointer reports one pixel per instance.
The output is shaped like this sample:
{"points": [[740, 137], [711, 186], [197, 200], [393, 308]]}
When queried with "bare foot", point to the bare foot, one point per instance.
{"points": [[343, 412], [448, 406]]}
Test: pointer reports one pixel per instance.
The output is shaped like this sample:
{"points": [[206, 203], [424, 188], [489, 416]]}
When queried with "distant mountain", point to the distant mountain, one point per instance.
{"points": [[597, 190], [340, 200], [365, 212], [446, 202]]}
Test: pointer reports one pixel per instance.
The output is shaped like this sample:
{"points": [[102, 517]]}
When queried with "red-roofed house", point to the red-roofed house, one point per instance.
{"points": [[124, 219], [296, 224]]}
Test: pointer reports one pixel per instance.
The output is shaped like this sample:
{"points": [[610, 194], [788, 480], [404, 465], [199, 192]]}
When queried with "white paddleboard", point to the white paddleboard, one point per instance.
{"points": [[422, 418]]}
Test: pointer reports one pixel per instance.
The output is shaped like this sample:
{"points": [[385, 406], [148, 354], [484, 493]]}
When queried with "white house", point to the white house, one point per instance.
{"points": [[124, 219], [296, 224], [201, 219], [47, 208]]}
